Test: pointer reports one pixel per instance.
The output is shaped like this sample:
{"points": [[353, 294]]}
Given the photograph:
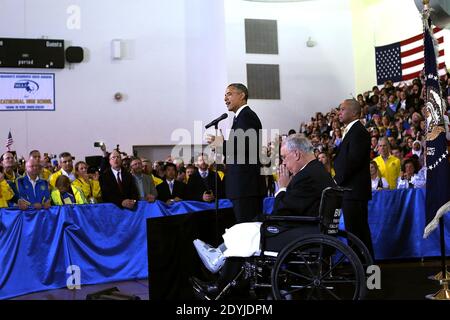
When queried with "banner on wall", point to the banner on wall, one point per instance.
{"points": [[27, 91]]}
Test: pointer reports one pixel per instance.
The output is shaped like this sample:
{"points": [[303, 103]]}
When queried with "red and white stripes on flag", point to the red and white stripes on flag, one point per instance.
{"points": [[413, 58], [404, 60], [9, 141]]}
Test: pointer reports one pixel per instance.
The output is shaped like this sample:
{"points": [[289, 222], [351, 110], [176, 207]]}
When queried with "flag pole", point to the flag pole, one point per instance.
{"points": [[443, 277]]}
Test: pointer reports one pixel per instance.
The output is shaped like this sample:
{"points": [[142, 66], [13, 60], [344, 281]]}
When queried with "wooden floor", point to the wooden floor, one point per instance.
{"points": [[399, 281]]}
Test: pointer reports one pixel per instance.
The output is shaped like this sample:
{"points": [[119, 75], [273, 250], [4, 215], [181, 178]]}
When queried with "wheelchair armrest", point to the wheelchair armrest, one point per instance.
{"points": [[292, 218]]}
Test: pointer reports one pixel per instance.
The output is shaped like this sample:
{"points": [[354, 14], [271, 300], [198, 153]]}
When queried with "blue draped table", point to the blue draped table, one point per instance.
{"points": [[397, 221], [109, 244]]}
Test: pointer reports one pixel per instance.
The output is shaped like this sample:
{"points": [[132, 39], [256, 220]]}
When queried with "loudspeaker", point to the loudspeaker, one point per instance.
{"points": [[74, 54]]}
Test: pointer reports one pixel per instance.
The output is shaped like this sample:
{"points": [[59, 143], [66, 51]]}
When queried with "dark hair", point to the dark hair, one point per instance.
{"points": [[77, 165], [414, 162], [33, 151], [64, 155], [169, 164], [241, 88], [292, 131]]}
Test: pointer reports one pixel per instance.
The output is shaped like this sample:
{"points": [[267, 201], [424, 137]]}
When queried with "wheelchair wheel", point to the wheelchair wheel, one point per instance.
{"points": [[358, 247], [318, 267]]}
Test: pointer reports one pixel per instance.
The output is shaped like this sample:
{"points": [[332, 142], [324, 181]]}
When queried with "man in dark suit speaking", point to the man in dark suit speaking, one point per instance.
{"points": [[352, 171], [243, 180]]}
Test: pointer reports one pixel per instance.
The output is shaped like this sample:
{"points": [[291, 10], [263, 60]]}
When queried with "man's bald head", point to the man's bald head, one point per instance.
{"points": [[350, 110], [33, 167]]}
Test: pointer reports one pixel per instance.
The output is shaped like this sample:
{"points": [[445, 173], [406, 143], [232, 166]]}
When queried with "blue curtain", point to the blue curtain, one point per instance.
{"points": [[107, 243]]}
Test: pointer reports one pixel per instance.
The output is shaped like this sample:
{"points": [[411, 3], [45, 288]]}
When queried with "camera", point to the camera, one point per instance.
{"points": [[98, 144]]}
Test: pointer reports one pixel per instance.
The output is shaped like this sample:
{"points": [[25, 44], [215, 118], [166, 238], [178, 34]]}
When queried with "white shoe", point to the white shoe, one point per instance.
{"points": [[212, 258]]}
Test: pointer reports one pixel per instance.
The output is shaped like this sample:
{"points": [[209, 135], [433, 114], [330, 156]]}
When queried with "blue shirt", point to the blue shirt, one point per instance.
{"points": [[40, 194]]}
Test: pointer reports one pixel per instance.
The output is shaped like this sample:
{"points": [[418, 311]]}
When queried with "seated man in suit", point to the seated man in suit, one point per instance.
{"points": [[201, 185], [299, 194], [117, 184], [33, 192], [171, 190]]}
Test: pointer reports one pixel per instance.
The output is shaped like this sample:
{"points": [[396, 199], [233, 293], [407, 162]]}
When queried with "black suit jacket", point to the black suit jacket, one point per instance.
{"points": [[243, 172], [303, 194], [352, 164], [110, 188], [179, 190], [196, 186]]}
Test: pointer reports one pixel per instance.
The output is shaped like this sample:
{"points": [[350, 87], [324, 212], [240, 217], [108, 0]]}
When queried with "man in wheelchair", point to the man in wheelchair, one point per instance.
{"points": [[299, 195]]}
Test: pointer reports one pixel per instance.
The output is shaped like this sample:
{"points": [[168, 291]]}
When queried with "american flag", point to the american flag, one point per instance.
{"points": [[438, 167], [404, 60], [9, 141]]}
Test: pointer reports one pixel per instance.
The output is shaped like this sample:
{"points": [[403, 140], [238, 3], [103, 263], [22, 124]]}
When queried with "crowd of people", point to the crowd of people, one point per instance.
{"points": [[39, 182], [394, 116]]}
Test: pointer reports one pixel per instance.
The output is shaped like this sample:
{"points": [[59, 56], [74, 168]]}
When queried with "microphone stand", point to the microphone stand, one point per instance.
{"points": [[216, 195]]}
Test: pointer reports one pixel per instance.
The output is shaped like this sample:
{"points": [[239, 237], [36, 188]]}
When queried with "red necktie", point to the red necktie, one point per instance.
{"points": [[119, 181]]}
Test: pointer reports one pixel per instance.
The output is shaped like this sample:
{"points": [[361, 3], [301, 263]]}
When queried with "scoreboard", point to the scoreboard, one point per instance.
{"points": [[31, 53]]}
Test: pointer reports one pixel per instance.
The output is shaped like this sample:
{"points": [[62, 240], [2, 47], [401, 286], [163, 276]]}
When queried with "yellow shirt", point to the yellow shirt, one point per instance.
{"points": [[79, 197], [389, 169], [6, 193], [45, 174], [156, 180], [90, 188]]}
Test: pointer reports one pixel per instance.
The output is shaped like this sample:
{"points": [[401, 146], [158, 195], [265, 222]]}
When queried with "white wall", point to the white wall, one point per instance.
{"points": [[173, 72], [311, 79]]}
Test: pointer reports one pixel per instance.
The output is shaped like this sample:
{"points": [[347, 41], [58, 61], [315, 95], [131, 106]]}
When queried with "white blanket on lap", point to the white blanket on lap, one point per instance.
{"points": [[242, 240]]}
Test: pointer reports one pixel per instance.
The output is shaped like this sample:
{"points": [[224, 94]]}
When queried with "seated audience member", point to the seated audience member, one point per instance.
{"points": [[144, 183], [190, 170], [201, 185], [388, 165], [147, 168], [117, 185], [126, 162], [66, 164], [89, 184], [324, 158], [181, 175], [299, 194], [66, 193], [397, 152], [417, 150], [409, 177], [378, 182], [33, 192], [171, 190], [6, 193], [158, 170], [45, 173], [8, 162]]}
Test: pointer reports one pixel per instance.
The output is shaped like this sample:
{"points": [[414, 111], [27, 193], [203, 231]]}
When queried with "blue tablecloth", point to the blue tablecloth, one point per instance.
{"points": [[109, 244], [397, 221]]}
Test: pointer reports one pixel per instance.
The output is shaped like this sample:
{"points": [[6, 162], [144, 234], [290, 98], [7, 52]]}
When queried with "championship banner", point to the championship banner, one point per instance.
{"points": [[27, 91]]}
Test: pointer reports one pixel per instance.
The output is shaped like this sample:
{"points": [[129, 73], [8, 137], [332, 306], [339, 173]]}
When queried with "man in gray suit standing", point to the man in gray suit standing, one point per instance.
{"points": [[144, 183]]}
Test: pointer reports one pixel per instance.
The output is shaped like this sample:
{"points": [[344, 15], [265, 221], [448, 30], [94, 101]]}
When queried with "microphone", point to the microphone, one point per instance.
{"points": [[216, 121]]}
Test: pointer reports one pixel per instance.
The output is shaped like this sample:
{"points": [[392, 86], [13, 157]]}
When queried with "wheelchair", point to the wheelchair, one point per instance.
{"points": [[306, 258]]}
